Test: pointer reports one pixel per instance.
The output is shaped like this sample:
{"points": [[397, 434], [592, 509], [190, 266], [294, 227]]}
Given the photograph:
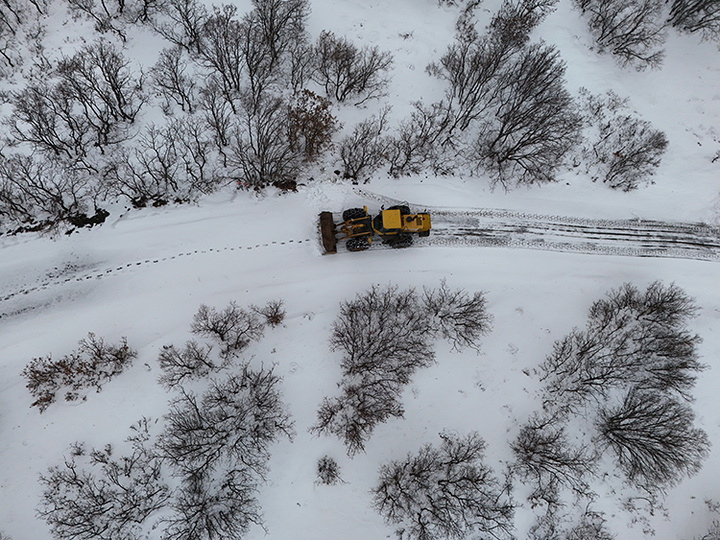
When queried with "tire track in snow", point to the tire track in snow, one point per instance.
{"points": [[115, 270], [628, 237]]}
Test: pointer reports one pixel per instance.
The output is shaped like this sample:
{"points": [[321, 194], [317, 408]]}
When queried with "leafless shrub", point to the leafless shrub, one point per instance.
{"points": [[653, 438], [272, 312], [591, 526], [631, 372], [372, 399], [445, 492], [516, 19], [91, 365], [94, 496], [234, 328], [311, 125], [385, 336], [383, 329], [207, 507], [348, 72], [234, 422], [621, 149], [457, 316], [713, 533], [702, 16], [631, 30], [114, 15], [328, 471], [547, 461], [191, 362], [364, 151], [633, 339]]}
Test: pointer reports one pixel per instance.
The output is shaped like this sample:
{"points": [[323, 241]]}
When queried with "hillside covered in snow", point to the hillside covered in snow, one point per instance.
{"points": [[180, 360]]}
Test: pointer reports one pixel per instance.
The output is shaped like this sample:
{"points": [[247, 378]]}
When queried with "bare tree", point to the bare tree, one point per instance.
{"points": [[95, 496], [702, 16], [209, 507], [631, 30], [534, 124], [547, 461], [364, 150], [171, 80], [44, 116], [174, 162], [182, 23], [653, 439], [261, 151], [414, 145], [457, 316], [91, 103], [234, 328], [385, 336], [473, 63], [620, 149], [444, 493], [220, 48], [100, 79], [347, 72], [193, 361], [283, 25], [311, 124], [234, 422], [40, 190], [302, 65], [217, 113], [16, 16], [633, 339]]}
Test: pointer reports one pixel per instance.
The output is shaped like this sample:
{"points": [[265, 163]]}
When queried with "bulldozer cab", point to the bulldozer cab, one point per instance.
{"points": [[388, 222], [393, 221]]}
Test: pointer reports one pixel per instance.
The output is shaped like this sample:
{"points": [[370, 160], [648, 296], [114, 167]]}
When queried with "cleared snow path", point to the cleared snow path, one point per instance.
{"points": [[630, 237]]}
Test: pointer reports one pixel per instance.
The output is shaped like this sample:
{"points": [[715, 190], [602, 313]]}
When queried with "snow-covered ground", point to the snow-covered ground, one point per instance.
{"points": [[144, 273]]}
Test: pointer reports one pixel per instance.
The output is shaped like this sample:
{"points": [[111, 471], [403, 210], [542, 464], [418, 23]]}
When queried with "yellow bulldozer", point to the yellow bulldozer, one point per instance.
{"points": [[395, 226]]}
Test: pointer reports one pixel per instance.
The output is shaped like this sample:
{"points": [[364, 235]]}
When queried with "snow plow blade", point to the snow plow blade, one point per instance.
{"points": [[327, 231]]}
